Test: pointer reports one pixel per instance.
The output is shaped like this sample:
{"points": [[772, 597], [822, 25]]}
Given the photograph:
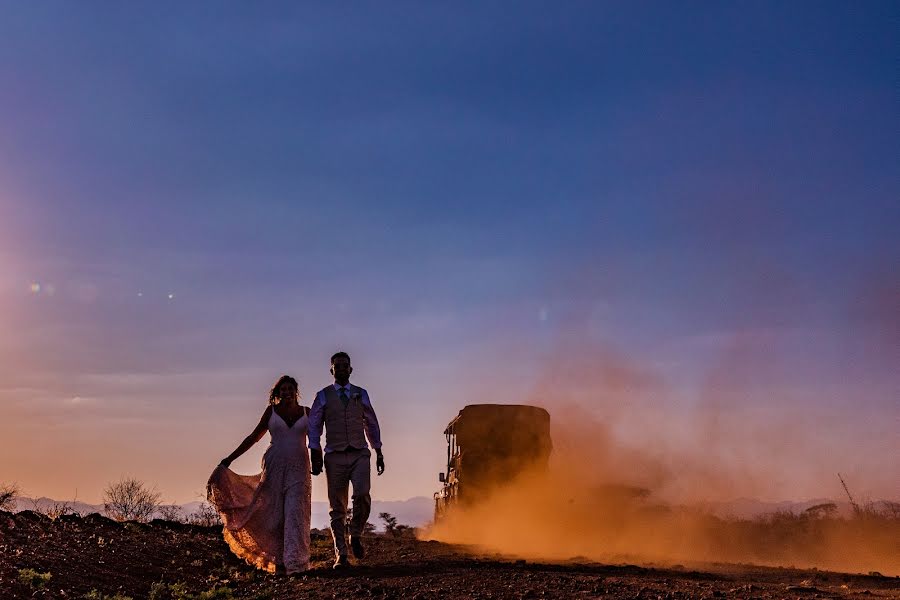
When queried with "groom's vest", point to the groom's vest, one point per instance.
{"points": [[344, 426]]}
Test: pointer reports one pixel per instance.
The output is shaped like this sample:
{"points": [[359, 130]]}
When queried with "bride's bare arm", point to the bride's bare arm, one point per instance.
{"points": [[251, 439]]}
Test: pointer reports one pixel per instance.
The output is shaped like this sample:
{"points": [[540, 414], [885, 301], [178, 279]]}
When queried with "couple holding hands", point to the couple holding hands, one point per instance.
{"points": [[266, 516]]}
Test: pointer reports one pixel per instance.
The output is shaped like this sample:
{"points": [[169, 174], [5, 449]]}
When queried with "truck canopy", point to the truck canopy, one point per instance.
{"points": [[499, 426], [492, 443]]}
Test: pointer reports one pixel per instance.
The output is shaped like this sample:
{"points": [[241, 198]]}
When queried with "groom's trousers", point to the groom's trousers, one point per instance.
{"points": [[342, 469]]}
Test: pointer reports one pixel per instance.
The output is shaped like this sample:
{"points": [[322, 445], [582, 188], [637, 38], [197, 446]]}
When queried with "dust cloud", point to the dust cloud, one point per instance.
{"points": [[634, 474], [614, 515]]}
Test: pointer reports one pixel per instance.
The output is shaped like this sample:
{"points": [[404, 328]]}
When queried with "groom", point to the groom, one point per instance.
{"points": [[348, 417]]}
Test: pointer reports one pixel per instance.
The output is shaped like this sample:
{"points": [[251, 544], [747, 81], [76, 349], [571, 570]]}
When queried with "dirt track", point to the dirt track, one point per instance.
{"points": [[169, 560]]}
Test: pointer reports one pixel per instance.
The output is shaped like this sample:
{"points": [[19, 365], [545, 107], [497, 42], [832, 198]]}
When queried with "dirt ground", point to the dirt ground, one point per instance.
{"points": [[96, 558]]}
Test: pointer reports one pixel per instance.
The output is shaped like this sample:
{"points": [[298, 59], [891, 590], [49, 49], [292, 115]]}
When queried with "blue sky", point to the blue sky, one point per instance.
{"points": [[460, 196]]}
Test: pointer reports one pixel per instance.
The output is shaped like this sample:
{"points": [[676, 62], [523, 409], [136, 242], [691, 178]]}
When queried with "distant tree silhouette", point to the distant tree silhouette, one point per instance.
{"points": [[390, 522], [130, 500], [9, 492], [826, 510]]}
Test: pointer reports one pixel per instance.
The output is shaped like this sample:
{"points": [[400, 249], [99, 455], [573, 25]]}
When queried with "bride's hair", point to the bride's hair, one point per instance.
{"points": [[273, 393]]}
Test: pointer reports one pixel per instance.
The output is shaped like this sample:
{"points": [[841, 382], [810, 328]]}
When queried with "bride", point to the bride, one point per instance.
{"points": [[266, 516]]}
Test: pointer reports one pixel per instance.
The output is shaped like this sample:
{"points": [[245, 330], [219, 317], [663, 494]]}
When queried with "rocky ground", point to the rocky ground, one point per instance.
{"points": [[99, 559]]}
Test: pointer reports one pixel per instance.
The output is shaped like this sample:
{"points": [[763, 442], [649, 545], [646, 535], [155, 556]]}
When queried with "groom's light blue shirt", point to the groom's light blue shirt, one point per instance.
{"points": [[317, 419]]}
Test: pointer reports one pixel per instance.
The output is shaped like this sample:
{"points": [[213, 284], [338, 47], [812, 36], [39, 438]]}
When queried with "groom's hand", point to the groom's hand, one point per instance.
{"points": [[379, 461], [316, 460]]}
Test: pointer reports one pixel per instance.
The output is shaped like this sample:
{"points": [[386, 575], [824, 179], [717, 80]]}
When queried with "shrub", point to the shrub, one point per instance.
{"points": [[215, 592], [54, 510], [96, 595], [158, 591], [33, 579], [9, 493], [179, 591], [170, 512], [205, 516], [130, 500]]}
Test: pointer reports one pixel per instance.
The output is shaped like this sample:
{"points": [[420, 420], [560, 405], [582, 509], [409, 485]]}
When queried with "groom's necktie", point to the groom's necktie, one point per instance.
{"points": [[344, 398]]}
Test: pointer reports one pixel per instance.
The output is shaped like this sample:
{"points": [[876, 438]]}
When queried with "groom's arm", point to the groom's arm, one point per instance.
{"points": [[316, 422], [373, 431], [314, 432]]}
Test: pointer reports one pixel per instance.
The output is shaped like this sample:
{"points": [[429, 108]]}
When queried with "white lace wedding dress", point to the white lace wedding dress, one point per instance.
{"points": [[266, 516]]}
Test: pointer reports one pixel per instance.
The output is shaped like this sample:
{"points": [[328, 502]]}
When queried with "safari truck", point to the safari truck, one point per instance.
{"points": [[488, 445]]}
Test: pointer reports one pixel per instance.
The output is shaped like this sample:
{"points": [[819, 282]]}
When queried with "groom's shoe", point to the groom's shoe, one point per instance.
{"points": [[357, 547], [341, 562]]}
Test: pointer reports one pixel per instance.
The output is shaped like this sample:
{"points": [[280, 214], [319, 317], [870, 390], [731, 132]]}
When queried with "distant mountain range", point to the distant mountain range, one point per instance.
{"points": [[414, 512]]}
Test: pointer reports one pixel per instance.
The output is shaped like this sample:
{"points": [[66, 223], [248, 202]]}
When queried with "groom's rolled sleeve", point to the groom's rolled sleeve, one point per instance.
{"points": [[373, 431], [316, 422]]}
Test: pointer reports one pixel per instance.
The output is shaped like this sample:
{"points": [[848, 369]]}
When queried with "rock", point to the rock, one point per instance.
{"points": [[34, 517]]}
